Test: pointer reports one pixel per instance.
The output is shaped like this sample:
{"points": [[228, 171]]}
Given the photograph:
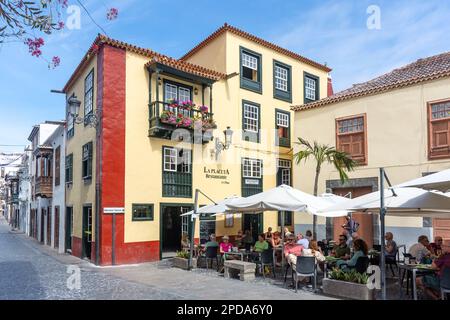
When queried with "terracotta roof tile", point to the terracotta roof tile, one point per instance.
{"points": [[177, 64], [256, 39], [425, 69]]}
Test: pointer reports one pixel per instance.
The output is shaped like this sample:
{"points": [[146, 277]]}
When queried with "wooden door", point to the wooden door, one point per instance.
{"points": [[56, 228], [42, 225], [49, 226], [365, 221]]}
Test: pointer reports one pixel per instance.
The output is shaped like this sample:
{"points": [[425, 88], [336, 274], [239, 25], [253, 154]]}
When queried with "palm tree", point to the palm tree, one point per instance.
{"points": [[322, 153]]}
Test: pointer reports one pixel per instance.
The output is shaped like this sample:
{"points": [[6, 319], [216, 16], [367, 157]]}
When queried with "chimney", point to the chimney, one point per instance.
{"points": [[329, 86]]}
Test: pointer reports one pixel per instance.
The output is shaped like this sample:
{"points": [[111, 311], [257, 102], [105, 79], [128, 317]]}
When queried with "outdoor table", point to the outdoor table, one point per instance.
{"points": [[414, 268]]}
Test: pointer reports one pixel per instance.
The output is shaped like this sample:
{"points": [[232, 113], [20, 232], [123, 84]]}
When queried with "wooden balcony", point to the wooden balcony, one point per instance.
{"points": [[164, 119], [44, 187]]}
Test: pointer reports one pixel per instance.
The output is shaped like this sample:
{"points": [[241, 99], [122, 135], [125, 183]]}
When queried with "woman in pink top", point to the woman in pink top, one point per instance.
{"points": [[225, 245]]}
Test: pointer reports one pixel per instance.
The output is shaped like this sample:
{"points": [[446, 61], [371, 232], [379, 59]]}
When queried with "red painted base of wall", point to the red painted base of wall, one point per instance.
{"points": [[133, 252], [76, 247]]}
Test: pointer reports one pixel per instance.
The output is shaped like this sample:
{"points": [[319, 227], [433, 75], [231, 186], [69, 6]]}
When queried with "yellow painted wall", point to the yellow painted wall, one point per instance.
{"points": [[396, 135], [80, 193], [143, 161]]}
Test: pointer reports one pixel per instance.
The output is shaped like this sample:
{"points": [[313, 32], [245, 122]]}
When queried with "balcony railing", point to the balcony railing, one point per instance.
{"points": [[44, 187], [166, 117]]}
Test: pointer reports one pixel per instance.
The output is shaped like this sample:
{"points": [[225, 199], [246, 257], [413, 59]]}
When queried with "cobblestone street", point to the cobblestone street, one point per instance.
{"points": [[29, 270]]}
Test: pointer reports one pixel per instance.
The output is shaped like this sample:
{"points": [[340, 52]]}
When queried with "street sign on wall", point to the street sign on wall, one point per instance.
{"points": [[113, 210]]}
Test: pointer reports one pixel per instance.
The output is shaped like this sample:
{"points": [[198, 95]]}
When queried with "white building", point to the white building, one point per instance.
{"points": [[42, 181], [25, 192], [57, 213]]}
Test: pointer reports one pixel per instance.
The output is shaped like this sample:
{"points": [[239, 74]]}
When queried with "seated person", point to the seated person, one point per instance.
{"points": [[275, 242], [212, 242], [302, 241], [292, 250], [226, 246], [314, 251], [436, 246], [390, 247], [308, 235], [341, 250], [261, 244], [431, 282], [360, 249], [287, 232], [268, 234], [419, 250], [247, 240], [185, 243], [238, 240]]}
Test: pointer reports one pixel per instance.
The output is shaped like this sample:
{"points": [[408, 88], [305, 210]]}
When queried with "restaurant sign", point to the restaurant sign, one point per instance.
{"points": [[216, 173]]}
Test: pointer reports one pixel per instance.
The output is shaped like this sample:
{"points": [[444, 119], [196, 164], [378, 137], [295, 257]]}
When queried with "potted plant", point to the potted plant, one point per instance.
{"points": [[350, 285], [181, 260]]}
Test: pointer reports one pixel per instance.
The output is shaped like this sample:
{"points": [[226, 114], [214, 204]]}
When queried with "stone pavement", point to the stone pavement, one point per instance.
{"points": [[30, 270]]}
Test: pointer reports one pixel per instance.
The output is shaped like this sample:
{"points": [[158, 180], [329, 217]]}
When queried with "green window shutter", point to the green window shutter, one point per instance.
{"points": [[281, 94], [250, 79], [177, 183], [248, 122]]}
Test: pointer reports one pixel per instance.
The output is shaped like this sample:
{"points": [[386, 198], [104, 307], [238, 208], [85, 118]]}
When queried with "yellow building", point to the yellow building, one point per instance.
{"points": [[399, 121], [150, 132]]}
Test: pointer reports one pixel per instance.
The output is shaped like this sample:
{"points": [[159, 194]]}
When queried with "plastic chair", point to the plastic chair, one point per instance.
{"points": [[211, 254], [361, 265], [267, 260], [445, 282], [306, 267]]}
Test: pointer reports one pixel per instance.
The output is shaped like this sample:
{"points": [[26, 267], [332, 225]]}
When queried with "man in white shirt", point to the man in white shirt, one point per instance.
{"points": [[302, 241], [419, 250]]}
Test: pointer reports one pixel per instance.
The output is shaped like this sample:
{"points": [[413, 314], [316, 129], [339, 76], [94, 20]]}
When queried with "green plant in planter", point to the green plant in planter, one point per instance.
{"points": [[349, 276], [183, 254]]}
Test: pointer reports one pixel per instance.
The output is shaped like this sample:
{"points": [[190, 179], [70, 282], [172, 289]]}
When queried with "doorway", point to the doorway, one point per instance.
{"points": [[171, 228], [41, 238], [365, 220], [56, 228], [87, 232], [68, 233], [49, 226], [254, 223]]}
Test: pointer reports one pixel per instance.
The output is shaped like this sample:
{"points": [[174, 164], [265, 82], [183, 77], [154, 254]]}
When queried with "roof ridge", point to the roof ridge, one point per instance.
{"points": [[101, 39], [261, 41], [423, 69]]}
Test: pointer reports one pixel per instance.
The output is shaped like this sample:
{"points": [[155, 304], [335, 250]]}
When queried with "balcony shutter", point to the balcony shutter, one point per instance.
{"points": [[440, 138]]}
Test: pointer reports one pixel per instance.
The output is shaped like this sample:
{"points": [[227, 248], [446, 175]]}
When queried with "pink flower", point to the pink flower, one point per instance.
{"points": [[61, 25], [112, 14], [34, 46], [56, 61]]}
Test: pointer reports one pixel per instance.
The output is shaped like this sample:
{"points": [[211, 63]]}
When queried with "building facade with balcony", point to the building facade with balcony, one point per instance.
{"points": [[42, 180], [149, 132], [399, 121]]}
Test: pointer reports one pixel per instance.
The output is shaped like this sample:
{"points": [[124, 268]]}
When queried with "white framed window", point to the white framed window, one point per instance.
{"points": [[252, 168], [281, 78], [249, 61], [89, 93], [282, 120], [310, 88], [251, 118], [284, 171], [185, 161], [184, 94], [170, 159], [170, 92]]}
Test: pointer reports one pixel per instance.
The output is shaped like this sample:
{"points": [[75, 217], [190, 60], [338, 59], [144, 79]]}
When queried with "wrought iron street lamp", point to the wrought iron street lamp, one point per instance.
{"points": [[220, 146], [74, 109]]}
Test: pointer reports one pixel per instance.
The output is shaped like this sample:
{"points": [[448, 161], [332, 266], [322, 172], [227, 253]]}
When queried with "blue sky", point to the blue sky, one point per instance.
{"points": [[334, 32]]}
